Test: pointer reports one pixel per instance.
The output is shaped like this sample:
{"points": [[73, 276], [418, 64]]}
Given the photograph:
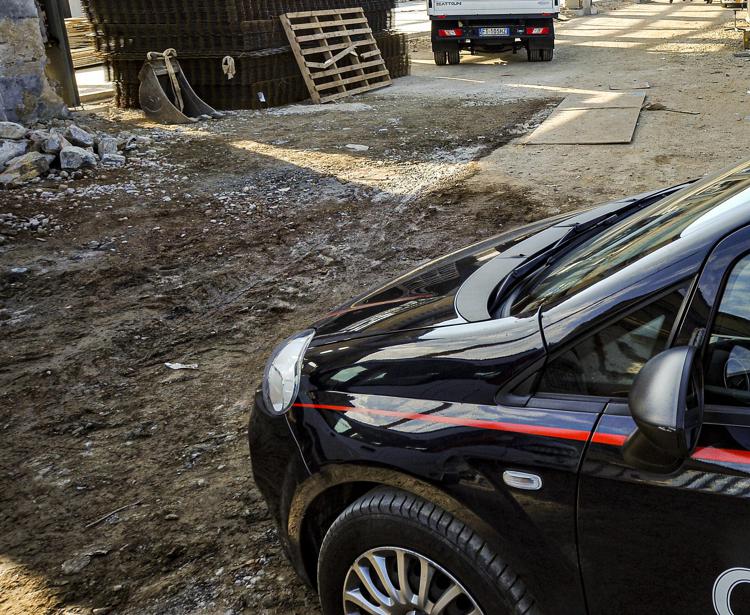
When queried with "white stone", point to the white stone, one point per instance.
{"points": [[25, 168], [54, 143], [12, 149], [106, 145], [11, 130], [78, 136], [73, 157], [113, 160]]}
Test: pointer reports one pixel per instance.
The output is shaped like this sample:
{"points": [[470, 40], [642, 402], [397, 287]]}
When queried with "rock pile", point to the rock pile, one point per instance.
{"points": [[60, 148], [39, 224]]}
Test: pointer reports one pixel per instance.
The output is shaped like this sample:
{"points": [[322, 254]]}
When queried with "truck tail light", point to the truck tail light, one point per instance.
{"points": [[537, 30], [451, 32]]}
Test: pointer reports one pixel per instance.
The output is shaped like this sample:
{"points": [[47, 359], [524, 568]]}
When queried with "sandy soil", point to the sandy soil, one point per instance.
{"points": [[218, 240], [683, 51], [207, 248]]}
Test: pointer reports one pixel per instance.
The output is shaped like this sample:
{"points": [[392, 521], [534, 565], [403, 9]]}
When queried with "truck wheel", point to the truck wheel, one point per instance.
{"points": [[534, 55], [547, 54], [393, 552], [441, 57], [454, 56]]}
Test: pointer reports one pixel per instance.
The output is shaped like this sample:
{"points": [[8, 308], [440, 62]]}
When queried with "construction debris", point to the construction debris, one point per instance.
{"points": [[11, 130], [56, 149], [10, 149], [73, 157], [655, 106], [265, 72], [336, 52]]}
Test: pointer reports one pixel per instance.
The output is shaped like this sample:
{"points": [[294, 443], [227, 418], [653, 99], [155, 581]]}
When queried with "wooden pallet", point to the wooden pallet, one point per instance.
{"points": [[336, 53], [81, 41]]}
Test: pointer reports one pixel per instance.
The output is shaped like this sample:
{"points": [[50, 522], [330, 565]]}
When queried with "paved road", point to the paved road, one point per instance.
{"points": [[411, 17], [682, 50]]}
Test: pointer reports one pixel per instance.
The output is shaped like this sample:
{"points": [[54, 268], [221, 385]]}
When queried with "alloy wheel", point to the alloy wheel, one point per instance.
{"points": [[396, 581]]}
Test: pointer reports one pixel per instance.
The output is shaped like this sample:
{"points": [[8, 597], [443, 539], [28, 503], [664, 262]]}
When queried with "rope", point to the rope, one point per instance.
{"points": [[227, 65], [167, 56]]}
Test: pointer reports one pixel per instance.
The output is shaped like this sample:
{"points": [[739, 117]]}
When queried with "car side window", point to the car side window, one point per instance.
{"points": [[727, 358], [606, 362]]}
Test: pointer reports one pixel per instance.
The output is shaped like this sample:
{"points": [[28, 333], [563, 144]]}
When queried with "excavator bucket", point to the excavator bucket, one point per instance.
{"points": [[165, 94]]}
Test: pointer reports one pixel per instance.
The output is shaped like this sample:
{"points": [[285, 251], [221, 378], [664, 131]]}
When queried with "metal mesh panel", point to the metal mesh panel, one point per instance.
{"points": [[273, 72], [204, 31]]}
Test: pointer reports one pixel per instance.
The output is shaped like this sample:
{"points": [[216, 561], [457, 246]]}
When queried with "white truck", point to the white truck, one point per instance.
{"points": [[492, 25]]}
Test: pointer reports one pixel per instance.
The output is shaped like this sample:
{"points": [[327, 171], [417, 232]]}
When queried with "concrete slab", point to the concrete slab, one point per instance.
{"points": [[588, 119], [603, 100], [597, 126]]}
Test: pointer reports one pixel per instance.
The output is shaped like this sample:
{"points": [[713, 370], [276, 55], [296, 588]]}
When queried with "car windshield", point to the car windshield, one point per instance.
{"points": [[632, 239]]}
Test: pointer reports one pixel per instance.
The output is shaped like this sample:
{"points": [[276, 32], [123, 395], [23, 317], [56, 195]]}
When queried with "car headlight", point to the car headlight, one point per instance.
{"points": [[283, 372]]}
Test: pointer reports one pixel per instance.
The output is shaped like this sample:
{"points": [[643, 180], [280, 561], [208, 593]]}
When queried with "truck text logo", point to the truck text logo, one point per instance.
{"points": [[724, 587]]}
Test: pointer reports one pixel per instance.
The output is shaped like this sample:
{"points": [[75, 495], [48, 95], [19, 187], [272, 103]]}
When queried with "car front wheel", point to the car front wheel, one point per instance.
{"points": [[391, 552]]}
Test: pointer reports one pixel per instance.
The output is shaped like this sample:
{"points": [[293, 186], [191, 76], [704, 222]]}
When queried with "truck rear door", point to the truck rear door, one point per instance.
{"points": [[488, 8]]}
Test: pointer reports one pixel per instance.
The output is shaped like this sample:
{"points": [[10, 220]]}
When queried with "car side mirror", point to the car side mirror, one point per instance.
{"points": [[666, 403]]}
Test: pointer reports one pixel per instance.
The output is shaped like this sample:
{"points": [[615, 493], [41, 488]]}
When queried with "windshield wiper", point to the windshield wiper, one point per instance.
{"points": [[547, 255]]}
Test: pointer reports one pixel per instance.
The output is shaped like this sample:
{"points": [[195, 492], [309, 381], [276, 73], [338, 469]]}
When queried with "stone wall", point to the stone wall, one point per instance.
{"points": [[25, 92]]}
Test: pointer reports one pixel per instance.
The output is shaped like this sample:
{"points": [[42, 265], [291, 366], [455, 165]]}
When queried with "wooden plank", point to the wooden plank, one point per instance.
{"points": [[336, 46], [367, 88], [345, 69], [328, 55], [336, 58], [332, 34], [355, 79], [355, 59], [300, 59], [327, 24], [307, 14]]}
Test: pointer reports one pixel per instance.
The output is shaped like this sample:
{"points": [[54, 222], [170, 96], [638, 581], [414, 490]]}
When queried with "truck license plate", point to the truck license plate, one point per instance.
{"points": [[494, 31]]}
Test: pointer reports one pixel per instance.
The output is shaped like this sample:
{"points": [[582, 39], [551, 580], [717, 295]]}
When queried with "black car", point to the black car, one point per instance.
{"points": [[555, 420]]}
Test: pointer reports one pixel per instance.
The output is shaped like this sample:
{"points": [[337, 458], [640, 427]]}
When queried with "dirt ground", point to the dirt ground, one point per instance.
{"points": [[218, 240]]}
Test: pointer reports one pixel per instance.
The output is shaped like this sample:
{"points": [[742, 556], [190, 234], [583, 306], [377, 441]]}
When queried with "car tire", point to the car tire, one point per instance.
{"points": [[454, 56], [441, 57], [547, 54], [393, 522], [534, 55]]}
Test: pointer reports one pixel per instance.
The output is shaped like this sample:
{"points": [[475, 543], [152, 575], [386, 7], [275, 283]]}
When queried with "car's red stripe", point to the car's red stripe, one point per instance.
{"points": [[702, 454], [535, 430], [612, 439], [723, 455], [707, 453]]}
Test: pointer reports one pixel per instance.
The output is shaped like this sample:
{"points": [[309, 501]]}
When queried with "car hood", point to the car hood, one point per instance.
{"points": [[425, 296], [456, 288]]}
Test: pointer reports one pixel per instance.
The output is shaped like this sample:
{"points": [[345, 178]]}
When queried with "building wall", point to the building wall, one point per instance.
{"points": [[25, 92]]}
